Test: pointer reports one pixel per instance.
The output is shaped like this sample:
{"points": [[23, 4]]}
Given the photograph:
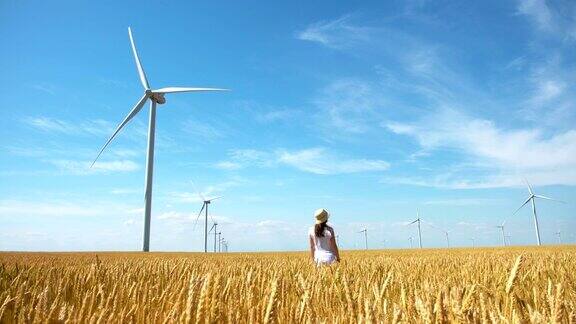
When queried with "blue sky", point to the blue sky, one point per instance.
{"points": [[372, 111]]}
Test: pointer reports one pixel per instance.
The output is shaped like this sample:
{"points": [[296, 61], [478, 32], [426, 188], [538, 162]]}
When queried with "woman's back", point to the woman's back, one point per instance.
{"points": [[322, 243]]}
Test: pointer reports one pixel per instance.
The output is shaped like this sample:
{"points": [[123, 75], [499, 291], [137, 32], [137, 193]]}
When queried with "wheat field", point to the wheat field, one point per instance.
{"points": [[515, 285]]}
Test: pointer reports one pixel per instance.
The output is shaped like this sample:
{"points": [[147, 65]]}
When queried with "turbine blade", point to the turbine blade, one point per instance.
{"points": [[215, 198], [211, 228], [503, 223], [198, 191], [527, 200], [198, 217], [543, 197], [138, 64], [413, 222], [130, 115], [180, 89], [529, 187]]}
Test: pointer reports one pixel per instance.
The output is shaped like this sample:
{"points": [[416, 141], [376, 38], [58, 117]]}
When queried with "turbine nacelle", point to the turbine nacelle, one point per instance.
{"points": [[158, 97]]}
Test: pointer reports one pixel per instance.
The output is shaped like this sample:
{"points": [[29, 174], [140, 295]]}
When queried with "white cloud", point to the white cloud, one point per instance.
{"points": [[314, 160], [228, 165], [321, 161], [553, 18], [537, 10], [339, 33], [551, 158]]}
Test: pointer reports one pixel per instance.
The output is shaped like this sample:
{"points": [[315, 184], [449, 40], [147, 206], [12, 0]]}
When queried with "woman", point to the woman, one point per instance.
{"points": [[323, 248]]}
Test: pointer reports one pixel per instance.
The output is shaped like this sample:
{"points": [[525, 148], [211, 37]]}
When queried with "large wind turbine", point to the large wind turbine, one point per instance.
{"points": [[205, 204], [501, 227], [531, 198], [155, 97], [418, 220]]}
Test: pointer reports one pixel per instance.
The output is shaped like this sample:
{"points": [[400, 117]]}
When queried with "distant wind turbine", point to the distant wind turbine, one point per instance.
{"points": [[559, 235], [509, 239], [418, 220], [442, 230], [155, 97], [384, 243], [531, 198], [501, 227], [214, 227], [365, 231], [411, 244], [473, 242], [205, 204], [220, 242]]}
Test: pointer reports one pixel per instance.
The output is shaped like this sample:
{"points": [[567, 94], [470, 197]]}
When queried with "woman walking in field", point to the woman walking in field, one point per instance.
{"points": [[323, 248]]}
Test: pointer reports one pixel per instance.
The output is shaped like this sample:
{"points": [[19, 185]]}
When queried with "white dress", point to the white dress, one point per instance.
{"points": [[322, 252]]}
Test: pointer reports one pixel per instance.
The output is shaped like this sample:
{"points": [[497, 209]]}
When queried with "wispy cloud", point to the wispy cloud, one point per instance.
{"points": [[555, 18], [508, 152], [316, 160], [321, 161], [96, 127], [348, 105], [339, 33], [463, 202], [45, 87]]}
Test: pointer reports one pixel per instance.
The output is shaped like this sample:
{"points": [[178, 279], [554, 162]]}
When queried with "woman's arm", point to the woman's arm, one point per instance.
{"points": [[312, 246]]}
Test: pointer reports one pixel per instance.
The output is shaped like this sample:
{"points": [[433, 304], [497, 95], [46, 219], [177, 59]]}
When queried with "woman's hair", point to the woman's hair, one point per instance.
{"points": [[319, 229]]}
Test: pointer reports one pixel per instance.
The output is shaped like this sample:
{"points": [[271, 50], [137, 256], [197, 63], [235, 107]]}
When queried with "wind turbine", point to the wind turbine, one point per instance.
{"points": [[419, 230], [219, 241], [410, 239], [473, 242], [155, 97], [365, 231], [559, 234], [214, 227], [531, 198], [501, 227], [444, 231], [509, 238], [205, 204]]}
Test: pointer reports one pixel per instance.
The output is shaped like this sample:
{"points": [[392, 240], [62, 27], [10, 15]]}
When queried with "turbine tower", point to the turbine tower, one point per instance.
{"points": [[501, 227], [418, 220], [365, 231], [531, 198], [155, 97], [205, 204]]}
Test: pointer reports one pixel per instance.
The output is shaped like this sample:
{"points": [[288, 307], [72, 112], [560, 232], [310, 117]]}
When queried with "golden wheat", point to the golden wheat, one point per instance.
{"points": [[428, 286]]}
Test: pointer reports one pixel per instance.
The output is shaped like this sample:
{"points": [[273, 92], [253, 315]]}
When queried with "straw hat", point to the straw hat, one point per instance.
{"points": [[321, 215]]}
